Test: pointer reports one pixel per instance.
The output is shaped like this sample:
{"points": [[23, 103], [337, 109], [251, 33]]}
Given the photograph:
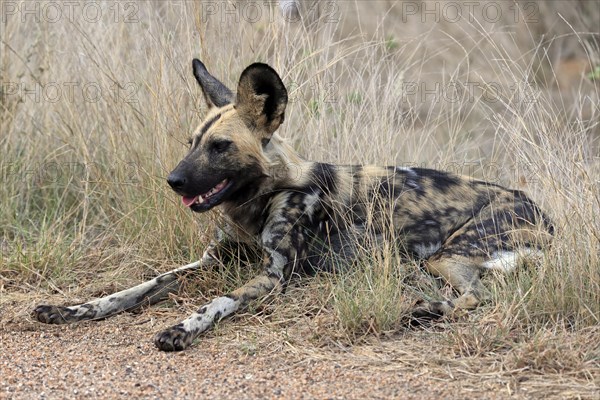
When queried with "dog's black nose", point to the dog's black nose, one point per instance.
{"points": [[176, 181]]}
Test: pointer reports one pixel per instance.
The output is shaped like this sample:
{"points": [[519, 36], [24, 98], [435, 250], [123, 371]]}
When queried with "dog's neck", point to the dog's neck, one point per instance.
{"points": [[284, 169]]}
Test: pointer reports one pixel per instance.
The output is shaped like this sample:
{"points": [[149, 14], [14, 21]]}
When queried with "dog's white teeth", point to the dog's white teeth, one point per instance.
{"points": [[214, 190], [199, 200]]}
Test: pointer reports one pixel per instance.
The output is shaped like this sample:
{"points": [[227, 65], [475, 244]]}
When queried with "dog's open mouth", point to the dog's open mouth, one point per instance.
{"points": [[207, 200]]}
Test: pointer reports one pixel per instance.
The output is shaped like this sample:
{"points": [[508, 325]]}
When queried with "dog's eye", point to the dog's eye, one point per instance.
{"points": [[219, 146], [190, 142]]}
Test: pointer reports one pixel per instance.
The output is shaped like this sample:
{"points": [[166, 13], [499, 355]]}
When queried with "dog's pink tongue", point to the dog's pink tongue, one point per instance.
{"points": [[188, 201]]}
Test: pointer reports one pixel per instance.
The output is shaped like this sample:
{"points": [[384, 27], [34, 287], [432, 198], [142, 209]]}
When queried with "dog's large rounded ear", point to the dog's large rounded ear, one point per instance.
{"points": [[261, 99], [215, 93]]}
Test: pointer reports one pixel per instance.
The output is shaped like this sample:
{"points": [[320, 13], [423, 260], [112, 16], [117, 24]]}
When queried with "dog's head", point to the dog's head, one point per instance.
{"points": [[226, 157]]}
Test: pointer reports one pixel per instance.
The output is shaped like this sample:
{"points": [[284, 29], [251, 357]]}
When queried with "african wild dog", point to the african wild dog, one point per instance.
{"points": [[291, 210]]}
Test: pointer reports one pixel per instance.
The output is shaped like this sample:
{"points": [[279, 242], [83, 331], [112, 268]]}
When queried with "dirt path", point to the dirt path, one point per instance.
{"points": [[243, 359], [116, 359]]}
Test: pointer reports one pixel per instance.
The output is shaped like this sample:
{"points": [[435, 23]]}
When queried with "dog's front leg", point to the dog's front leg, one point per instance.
{"points": [[283, 246], [182, 335], [146, 293]]}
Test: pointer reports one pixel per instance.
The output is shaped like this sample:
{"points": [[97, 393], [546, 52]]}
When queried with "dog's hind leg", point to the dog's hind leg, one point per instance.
{"points": [[463, 274], [500, 236]]}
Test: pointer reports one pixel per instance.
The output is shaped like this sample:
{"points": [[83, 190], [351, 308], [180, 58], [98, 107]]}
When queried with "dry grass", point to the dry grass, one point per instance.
{"points": [[85, 209]]}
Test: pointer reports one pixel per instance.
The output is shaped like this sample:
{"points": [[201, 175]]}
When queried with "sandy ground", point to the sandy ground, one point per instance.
{"points": [[117, 360], [109, 361], [245, 359]]}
